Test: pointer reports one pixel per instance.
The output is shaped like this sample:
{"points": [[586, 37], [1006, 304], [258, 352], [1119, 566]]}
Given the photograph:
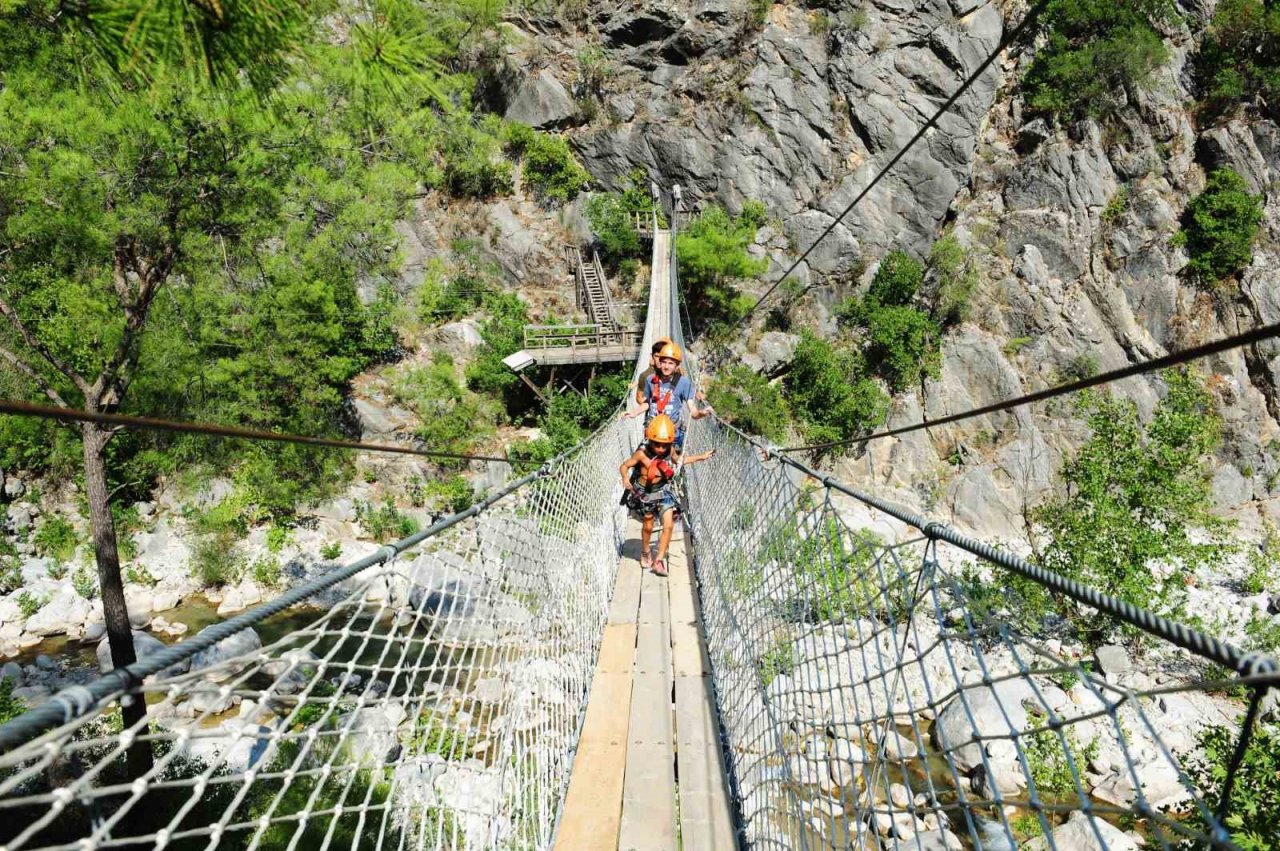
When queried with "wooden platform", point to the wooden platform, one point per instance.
{"points": [[649, 772]]}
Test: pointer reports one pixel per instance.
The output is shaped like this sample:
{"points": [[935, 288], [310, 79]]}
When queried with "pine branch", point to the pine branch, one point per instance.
{"points": [[40, 348]]}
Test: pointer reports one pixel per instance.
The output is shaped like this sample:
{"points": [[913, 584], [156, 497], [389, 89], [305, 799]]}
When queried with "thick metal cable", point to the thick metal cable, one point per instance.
{"points": [[1009, 38], [1252, 337], [870, 699], [54, 412], [428, 702]]}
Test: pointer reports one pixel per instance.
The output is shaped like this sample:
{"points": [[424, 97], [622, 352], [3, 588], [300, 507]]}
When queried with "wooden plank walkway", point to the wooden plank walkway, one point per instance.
{"points": [[649, 772]]}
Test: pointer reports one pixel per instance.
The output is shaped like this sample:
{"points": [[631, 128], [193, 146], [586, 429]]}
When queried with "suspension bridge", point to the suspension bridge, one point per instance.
{"points": [[509, 678]]}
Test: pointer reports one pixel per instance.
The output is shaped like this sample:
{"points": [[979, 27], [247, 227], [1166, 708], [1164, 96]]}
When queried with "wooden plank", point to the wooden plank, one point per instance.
{"points": [[624, 606], [684, 610], [706, 819], [592, 812], [648, 796]]}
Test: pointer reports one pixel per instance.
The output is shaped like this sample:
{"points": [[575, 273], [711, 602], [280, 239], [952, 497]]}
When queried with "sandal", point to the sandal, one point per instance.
{"points": [[659, 567], [646, 559]]}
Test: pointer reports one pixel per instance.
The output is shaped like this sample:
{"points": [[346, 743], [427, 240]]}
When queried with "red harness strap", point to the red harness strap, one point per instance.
{"points": [[659, 400]]}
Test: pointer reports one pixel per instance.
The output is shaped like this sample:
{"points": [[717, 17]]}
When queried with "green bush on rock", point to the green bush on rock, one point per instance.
{"points": [[1219, 227]]}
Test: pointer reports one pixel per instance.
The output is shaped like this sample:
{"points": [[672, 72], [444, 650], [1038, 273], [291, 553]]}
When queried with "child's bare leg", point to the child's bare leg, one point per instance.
{"points": [[668, 524], [646, 531]]}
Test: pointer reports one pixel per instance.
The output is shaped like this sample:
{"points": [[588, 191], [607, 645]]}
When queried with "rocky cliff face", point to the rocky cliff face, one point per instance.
{"points": [[801, 109]]}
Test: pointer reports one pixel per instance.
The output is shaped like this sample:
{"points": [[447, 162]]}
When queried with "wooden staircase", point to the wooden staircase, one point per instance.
{"points": [[593, 290]]}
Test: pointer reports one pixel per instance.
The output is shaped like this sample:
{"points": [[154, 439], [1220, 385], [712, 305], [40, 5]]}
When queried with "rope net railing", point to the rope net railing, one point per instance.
{"points": [[433, 701], [876, 694]]}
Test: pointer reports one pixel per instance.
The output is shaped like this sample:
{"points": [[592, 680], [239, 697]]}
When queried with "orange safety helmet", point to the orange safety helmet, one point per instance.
{"points": [[671, 350], [661, 430]]}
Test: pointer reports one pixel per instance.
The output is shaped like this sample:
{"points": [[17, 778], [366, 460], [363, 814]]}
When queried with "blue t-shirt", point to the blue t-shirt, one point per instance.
{"points": [[674, 393]]}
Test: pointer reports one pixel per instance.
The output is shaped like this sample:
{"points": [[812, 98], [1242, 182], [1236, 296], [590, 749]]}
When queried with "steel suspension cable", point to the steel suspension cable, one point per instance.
{"points": [[1009, 38], [78, 700], [54, 412], [1257, 335], [1261, 668]]}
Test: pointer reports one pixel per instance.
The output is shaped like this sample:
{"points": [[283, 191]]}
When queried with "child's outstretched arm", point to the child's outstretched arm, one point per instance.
{"points": [[701, 456], [624, 469]]}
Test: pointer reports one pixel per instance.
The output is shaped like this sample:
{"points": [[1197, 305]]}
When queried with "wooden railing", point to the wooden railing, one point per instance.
{"points": [[580, 337]]}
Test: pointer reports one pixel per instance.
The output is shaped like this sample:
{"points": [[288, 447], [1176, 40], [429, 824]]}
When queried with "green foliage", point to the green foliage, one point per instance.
{"points": [[1116, 205], [712, 253], [10, 568], [503, 334], [266, 572], [551, 169], [1254, 815], [1016, 344], [436, 736], [384, 522], [903, 345], [758, 12], [1220, 225], [450, 292], [453, 420], [139, 575], [1136, 497], [453, 494], [1264, 564], [829, 393], [216, 560], [569, 417], [1047, 757], [331, 550], [1094, 49], [1079, 368], [10, 707], [199, 43], [263, 207], [326, 797], [56, 538], [610, 215], [85, 582], [835, 572], [474, 166], [1238, 65], [745, 398], [57, 571], [29, 603], [277, 537], [314, 707], [896, 280], [955, 277], [779, 660]]}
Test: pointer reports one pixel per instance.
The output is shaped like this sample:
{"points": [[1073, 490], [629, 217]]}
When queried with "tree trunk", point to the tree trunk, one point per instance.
{"points": [[114, 611]]}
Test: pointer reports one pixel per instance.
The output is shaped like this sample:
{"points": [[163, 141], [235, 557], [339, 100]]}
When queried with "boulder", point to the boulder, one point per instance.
{"points": [[541, 102], [18, 519], [1081, 832], [988, 711], [230, 656], [459, 338], [65, 610], [1113, 659], [144, 645], [14, 488], [12, 671], [776, 349], [374, 732]]}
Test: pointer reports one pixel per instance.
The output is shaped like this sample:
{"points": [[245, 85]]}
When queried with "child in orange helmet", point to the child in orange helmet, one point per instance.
{"points": [[667, 391], [647, 479]]}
